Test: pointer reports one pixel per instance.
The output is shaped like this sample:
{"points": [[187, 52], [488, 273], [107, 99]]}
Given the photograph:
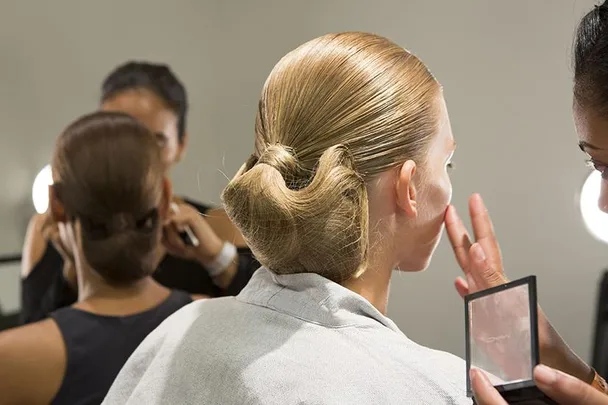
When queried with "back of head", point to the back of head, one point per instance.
{"points": [[591, 60], [333, 113], [109, 176], [157, 78]]}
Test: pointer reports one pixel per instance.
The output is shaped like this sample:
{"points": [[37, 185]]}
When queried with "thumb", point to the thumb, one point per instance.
{"points": [[485, 393], [481, 271]]}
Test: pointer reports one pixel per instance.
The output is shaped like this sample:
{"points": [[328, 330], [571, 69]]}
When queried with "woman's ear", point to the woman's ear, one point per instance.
{"points": [[56, 208], [405, 189], [166, 199]]}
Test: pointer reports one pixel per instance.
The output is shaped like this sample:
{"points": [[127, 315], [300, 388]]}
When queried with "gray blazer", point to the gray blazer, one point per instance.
{"points": [[295, 339]]}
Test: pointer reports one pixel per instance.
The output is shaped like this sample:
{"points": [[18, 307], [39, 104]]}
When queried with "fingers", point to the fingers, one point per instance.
{"points": [[171, 239], [566, 389], [462, 287], [66, 241], [480, 220], [458, 235], [485, 393], [184, 214], [483, 274]]}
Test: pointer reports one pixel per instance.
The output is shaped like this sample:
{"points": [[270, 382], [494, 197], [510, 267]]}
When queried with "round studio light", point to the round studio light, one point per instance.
{"points": [[595, 220], [40, 189]]}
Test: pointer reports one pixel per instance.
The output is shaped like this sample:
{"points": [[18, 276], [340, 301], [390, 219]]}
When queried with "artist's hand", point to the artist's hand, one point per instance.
{"points": [[562, 388], [481, 263], [56, 233], [181, 216]]}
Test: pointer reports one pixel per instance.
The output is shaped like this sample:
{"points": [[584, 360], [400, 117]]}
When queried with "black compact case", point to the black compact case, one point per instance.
{"points": [[501, 327]]}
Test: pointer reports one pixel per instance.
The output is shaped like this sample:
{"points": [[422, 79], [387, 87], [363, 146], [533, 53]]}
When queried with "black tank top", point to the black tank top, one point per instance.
{"points": [[98, 346]]}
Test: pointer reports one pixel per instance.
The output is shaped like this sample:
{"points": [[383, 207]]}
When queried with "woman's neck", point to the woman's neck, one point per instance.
{"points": [[373, 285], [97, 296]]}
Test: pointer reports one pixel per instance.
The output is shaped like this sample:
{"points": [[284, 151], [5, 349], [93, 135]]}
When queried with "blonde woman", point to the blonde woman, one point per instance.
{"points": [[348, 181]]}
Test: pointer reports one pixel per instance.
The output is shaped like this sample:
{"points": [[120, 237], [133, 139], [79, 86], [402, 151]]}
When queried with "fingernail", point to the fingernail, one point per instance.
{"points": [[478, 377], [473, 375], [544, 375], [478, 253]]}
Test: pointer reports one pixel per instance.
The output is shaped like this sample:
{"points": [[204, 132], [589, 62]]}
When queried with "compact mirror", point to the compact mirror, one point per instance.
{"points": [[502, 339]]}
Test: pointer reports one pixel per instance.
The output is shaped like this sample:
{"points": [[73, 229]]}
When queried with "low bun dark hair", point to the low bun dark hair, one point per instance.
{"points": [[109, 177]]}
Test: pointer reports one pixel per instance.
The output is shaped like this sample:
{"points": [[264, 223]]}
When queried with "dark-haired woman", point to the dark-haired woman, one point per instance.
{"points": [[220, 265], [110, 198], [481, 261]]}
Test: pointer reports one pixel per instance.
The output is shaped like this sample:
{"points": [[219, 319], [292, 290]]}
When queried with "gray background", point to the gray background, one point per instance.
{"points": [[504, 65]]}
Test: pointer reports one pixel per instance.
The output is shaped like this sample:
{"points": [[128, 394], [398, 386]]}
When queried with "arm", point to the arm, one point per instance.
{"points": [[224, 228], [32, 363], [482, 265], [41, 234], [234, 277], [44, 287], [34, 244]]}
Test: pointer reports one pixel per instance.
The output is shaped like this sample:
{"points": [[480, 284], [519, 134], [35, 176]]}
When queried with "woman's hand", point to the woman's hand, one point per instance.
{"points": [[184, 215], [482, 265], [481, 261], [562, 388], [56, 233]]}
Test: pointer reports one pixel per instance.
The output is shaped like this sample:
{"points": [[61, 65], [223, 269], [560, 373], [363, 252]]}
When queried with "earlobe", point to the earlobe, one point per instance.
{"points": [[405, 189]]}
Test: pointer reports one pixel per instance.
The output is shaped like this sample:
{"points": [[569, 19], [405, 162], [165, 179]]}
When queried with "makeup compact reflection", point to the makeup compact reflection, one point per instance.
{"points": [[502, 340]]}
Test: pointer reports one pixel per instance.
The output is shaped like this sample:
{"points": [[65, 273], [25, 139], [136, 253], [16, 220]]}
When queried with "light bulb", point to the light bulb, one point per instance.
{"points": [[595, 220], [40, 189]]}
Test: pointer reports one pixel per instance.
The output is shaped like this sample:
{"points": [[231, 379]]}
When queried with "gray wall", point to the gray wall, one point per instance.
{"points": [[505, 69]]}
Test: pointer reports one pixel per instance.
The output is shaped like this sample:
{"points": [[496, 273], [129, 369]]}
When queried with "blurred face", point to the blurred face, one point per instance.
{"points": [[151, 111], [432, 193], [592, 130]]}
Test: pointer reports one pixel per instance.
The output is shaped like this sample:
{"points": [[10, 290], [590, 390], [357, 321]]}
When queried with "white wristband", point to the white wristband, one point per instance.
{"points": [[223, 259]]}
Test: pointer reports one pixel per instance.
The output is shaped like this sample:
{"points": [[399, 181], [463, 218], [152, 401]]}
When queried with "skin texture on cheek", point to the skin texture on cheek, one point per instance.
{"points": [[592, 130], [435, 190]]}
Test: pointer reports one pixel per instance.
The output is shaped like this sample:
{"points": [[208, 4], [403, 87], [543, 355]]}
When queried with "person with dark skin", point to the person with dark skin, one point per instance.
{"points": [[219, 265], [570, 381]]}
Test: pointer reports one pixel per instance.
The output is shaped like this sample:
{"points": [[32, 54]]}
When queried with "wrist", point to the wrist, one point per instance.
{"points": [[223, 260], [209, 250], [562, 358], [555, 353]]}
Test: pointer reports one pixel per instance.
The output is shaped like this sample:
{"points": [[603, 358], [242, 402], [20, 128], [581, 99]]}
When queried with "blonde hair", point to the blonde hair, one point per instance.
{"points": [[333, 113]]}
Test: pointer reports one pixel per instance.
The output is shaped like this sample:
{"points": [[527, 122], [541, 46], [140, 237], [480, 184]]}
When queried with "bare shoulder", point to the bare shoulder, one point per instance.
{"points": [[34, 244], [223, 227], [32, 356]]}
